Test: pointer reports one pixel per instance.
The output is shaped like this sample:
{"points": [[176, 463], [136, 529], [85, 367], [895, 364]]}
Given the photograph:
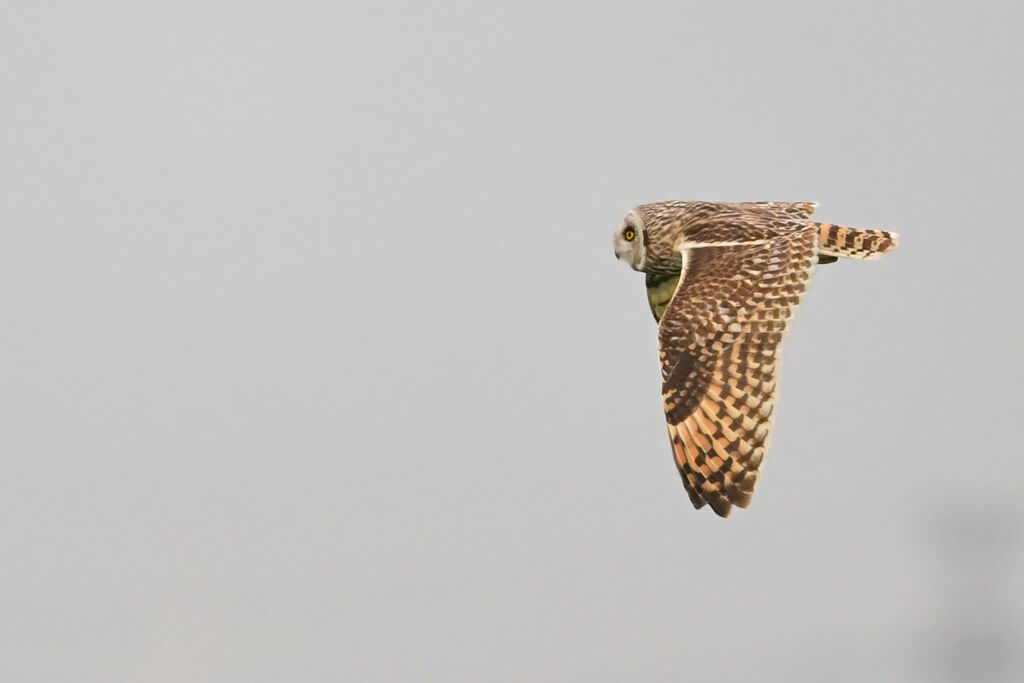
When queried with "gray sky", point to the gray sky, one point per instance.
{"points": [[317, 364]]}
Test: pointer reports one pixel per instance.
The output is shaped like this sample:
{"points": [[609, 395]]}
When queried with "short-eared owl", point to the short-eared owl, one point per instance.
{"points": [[723, 281]]}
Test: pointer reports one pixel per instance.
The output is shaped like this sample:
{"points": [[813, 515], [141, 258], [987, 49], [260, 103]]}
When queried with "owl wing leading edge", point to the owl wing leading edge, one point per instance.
{"points": [[719, 340]]}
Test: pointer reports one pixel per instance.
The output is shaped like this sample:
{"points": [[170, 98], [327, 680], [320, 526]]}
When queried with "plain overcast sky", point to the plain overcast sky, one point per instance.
{"points": [[316, 363]]}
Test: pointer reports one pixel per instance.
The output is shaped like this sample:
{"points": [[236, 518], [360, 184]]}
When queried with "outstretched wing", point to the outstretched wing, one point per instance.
{"points": [[719, 343]]}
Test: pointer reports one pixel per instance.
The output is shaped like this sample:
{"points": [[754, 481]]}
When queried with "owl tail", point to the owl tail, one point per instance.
{"points": [[835, 241]]}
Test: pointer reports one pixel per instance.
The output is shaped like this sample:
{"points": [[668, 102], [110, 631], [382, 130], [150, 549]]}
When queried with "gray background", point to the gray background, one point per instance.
{"points": [[316, 363]]}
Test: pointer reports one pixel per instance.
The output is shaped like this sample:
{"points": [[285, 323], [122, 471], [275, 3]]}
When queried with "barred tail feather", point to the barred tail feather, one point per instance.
{"points": [[836, 240]]}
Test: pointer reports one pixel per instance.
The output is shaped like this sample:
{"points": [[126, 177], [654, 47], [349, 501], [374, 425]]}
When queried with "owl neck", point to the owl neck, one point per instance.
{"points": [[662, 257]]}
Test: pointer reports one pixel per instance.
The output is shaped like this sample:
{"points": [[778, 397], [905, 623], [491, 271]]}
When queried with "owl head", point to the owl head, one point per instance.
{"points": [[630, 246], [647, 238]]}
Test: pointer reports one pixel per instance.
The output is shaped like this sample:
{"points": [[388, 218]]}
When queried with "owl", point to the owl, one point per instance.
{"points": [[723, 281]]}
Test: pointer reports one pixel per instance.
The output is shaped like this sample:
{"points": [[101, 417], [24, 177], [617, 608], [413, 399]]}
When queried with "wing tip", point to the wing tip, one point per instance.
{"points": [[721, 505]]}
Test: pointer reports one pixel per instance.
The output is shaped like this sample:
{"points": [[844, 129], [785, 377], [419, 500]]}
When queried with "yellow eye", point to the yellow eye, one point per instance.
{"points": [[629, 234]]}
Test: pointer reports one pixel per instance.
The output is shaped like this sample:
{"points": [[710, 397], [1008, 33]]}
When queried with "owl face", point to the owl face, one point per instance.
{"points": [[629, 242]]}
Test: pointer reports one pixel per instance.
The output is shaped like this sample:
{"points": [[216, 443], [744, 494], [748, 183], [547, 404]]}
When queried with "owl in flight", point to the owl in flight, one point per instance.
{"points": [[723, 281]]}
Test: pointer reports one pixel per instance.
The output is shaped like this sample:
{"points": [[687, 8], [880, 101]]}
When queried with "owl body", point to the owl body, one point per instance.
{"points": [[723, 280]]}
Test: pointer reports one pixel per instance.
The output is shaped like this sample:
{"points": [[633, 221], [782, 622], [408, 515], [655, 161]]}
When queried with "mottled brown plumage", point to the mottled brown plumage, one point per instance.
{"points": [[723, 280]]}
